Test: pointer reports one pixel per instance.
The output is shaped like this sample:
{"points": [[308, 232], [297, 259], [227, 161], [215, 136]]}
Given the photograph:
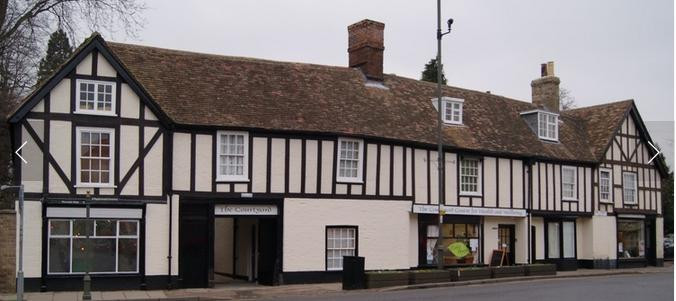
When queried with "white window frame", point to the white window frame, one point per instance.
{"points": [[78, 155], [360, 163], [563, 171], [546, 136], [355, 244], [95, 111], [479, 183], [610, 185], [70, 236], [244, 177], [625, 187], [446, 101]]}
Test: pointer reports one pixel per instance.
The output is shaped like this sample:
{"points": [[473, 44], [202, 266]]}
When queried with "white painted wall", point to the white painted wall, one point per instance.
{"points": [[381, 224], [157, 238], [259, 169], [181, 157], [32, 241], [295, 150], [277, 165], [604, 237], [62, 130], [31, 174], [490, 239], [203, 162], [585, 237], [659, 240]]}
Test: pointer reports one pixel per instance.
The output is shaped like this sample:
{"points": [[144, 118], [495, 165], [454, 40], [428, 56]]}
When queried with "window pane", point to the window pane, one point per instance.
{"points": [[568, 240], [106, 227], [59, 227], [128, 228], [82, 228], [103, 254], [59, 255], [553, 240], [126, 260], [79, 263]]}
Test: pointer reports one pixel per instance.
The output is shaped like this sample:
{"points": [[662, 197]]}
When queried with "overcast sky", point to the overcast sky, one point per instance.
{"points": [[604, 51]]}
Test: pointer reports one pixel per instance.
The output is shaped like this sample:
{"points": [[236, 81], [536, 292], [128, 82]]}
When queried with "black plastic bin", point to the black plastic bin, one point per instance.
{"points": [[353, 273]]}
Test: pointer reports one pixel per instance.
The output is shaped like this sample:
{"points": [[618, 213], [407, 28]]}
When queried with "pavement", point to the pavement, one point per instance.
{"points": [[312, 291]]}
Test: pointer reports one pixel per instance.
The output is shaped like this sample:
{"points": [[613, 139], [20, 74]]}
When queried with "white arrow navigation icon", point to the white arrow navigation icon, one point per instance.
{"points": [[658, 152], [17, 152]]}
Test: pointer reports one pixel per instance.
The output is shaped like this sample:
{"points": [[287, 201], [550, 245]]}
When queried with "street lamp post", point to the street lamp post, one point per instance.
{"points": [[19, 284], [440, 156]]}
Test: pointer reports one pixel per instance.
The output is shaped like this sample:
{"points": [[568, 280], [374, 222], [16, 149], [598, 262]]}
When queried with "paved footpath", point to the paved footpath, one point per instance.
{"points": [[252, 292]]}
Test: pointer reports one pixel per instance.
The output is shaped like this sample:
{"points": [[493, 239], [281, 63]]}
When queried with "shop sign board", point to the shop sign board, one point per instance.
{"points": [[455, 210], [231, 209]]}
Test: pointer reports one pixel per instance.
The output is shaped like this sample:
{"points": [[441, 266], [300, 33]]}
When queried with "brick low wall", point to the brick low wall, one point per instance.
{"points": [[7, 251]]}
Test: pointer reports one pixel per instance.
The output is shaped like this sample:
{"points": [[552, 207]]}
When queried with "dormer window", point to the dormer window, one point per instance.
{"points": [[543, 123], [548, 126], [451, 109]]}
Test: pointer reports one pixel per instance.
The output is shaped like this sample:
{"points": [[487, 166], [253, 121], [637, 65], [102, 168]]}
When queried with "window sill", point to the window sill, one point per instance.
{"points": [[569, 199], [233, 180], [606, 202], [474, 194], [97, 113], [349, 181], [95, 186]]}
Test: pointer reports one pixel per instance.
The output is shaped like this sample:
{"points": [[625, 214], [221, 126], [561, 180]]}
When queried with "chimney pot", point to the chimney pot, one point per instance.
{"points": [[545, 90], [366, 46]]}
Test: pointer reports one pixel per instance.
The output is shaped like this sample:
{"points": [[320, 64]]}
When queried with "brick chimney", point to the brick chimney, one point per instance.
{"points": [[365, 47], [546, 88]]}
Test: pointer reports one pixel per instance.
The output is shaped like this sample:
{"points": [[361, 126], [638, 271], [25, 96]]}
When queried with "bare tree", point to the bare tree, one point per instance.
{"points": [[566, 100], [24, 28]]}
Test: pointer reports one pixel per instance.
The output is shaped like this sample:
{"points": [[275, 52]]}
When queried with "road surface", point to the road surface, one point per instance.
{"points": [[637, 287]]}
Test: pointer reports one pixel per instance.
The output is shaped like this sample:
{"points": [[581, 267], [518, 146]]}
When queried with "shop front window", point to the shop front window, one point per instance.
{"points": [[460, 243], [630, 238], [114, 246]]}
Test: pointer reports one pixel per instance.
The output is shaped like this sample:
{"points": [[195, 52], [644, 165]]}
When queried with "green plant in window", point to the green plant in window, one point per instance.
{"points": [[458, 249]]}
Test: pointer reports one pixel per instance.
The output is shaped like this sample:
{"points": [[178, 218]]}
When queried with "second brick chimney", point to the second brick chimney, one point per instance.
{"points": [[546, 88], [365, 47]]}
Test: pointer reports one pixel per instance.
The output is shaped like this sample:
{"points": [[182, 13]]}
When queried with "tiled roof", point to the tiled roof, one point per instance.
{"points": [[215, 90]]}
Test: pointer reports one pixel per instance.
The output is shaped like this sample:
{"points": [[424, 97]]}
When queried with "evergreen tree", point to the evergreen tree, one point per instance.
{"points": [[58, 51], [430, 72]]}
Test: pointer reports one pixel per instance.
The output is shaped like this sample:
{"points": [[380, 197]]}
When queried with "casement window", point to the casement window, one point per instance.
{"points": [[470, 176], [233, 156], [548, 126], [605, 184], [569, 182], [95, 156], [629, 189], [560, 239], [452, 110], [340, 241], [113, 246], [350, 160], [95, 97]]}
